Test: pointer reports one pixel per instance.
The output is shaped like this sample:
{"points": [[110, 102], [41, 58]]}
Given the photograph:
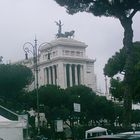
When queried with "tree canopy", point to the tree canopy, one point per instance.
{"points": [[113, 8], [116, 65], [58, 103], [117, 88], [13, 78]]}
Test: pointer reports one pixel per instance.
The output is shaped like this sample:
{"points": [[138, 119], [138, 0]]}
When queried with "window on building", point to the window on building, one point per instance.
{"points": [[78, 53], [81, 53], [72, 53], [63, 52], [67, 52], [54, 53], [49, 55], [88, 71]]}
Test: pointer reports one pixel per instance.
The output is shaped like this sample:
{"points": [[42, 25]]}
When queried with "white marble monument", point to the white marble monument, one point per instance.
{"points": [[63, 62]]}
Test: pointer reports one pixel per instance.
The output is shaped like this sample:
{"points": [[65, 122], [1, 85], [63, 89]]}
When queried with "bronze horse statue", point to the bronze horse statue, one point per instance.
{"points": [[66, 34], [69, 34]]}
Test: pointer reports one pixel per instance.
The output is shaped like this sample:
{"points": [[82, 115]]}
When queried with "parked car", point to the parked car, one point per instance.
{"points": [[120, 136]]}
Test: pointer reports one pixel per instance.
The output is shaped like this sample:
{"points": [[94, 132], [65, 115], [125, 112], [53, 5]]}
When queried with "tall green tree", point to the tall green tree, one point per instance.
{"points": [[93, 108], [116, 65], [124, 10], [117, 88], [51, 97], [13, 79], [80, 94], [136, 116]]}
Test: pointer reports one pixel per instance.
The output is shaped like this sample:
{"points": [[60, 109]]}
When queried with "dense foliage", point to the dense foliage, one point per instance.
{"points": [[58, 103], [117, 88], [13, 79], [64, 100], [116, 65], [115, 8]]}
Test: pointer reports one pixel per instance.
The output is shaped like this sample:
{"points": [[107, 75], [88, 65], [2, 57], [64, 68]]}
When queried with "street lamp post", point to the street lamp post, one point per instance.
{"points": [[34, 51]]}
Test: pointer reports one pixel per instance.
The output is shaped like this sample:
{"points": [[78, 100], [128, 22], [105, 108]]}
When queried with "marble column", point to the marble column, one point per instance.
{"points": [[70, 74], [76, 76], [53, 74], [49, 69], [45, 76], [61, 74], [57, 81], [65, 75], [81, 75]]}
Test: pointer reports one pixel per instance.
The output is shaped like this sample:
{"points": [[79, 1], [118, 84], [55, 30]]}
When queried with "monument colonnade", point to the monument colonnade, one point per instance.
{"points": [[73, 74]]}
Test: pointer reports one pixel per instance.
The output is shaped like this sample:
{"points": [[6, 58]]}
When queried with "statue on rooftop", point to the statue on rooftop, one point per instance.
{"points": [[59, 24], [66, 34], [1, 59]]}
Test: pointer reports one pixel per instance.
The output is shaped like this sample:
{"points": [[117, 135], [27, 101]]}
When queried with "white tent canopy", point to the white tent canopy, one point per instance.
{"points": [[95, 130], [2, 119], [10, 130], [4, 122]]}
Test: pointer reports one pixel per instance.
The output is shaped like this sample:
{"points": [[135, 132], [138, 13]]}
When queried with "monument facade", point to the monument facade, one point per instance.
{"points": [[63, 62]]}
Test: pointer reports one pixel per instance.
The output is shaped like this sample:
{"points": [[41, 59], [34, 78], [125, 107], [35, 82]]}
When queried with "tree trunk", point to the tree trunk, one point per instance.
{"points": [[128, 44]]}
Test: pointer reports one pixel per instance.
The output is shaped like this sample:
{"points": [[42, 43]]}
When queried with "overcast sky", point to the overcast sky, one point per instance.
{"points": [[22, 20]]}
